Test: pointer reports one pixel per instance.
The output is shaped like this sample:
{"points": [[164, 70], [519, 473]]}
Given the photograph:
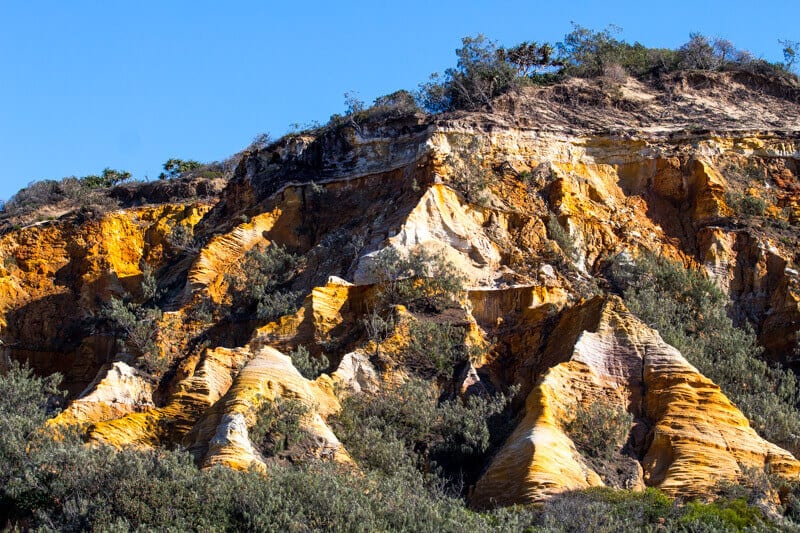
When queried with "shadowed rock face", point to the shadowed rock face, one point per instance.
{"points": [[566, 188]]}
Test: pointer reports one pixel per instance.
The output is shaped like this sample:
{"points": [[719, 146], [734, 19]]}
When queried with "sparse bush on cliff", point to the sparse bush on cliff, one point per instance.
{"points": [[138, 327], [277, 425], [46, 197], [138, 324], [746, 205], [258, 285], [435, 349], [309, 366], [181, 238], [556, 232], [689, 311], [421, 280], [599, 430]]}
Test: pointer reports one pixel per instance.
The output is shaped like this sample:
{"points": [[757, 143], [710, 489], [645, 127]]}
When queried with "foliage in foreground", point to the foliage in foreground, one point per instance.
{"points": [[408, 428], [64, 485]]}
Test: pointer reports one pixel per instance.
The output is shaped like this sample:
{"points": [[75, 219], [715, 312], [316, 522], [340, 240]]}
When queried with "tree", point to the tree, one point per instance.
{"points": [[699, 53], [481, 75], [174, 168], [108, 178], [790, 49], [529, 58], [585, 52], [260, 141], [352, 103]]}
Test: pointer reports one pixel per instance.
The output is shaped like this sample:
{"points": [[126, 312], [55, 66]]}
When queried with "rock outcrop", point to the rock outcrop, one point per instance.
{"points": [[529, 204], [688, 436]]}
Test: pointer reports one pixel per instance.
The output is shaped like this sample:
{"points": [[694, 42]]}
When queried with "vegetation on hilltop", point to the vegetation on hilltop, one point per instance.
{"points": [[484, 71], [95, 194]]}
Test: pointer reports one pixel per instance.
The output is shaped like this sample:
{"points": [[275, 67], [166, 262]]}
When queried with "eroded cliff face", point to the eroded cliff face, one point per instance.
{"points": [[527, 208], [687, 432]]}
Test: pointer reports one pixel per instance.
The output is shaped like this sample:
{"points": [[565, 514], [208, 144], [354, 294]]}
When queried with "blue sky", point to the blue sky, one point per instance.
{"points": [[90, 84]]}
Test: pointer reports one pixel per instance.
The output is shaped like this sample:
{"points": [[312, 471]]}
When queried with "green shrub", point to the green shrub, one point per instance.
{"points": [[376, 327], [138, 327], [108, 178], [205, 310], [689, 311], [407, 428], [599, 430], [89, 194], [557, 233], [137, 322], [480, 76], [181, 238], [310, 367], [60, 484], [421, 280], [607, 510], [277, 425], [472, 181], [258, 285], [746, 205], [733, 515], [174, 168], [435, 349]]}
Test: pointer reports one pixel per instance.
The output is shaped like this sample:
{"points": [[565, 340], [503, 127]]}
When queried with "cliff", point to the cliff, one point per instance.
{"points": [[528, 204]]}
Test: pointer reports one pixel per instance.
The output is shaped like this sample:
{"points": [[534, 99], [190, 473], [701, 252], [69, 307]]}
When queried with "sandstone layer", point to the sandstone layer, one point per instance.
{"points": [[529, 204]]}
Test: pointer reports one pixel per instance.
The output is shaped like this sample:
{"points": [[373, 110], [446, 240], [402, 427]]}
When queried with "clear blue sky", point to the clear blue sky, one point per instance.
{"points": [[90, 84]]}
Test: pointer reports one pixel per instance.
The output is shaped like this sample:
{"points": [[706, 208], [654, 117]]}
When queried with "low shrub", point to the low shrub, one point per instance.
{"points": [[599, 430], [181, 238], [137, 322], [310, 367], [277, 425], [746, 205], [407, 428], [88, 194], [556, 232], [259, 284], [60, 484], [731, 515], [471, 180], [435, 349], [138, 327], [421, 280]]}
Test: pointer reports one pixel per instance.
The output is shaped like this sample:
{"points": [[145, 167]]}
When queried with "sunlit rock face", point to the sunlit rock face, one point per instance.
{"points": [[688, 434], [528, 204]]}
